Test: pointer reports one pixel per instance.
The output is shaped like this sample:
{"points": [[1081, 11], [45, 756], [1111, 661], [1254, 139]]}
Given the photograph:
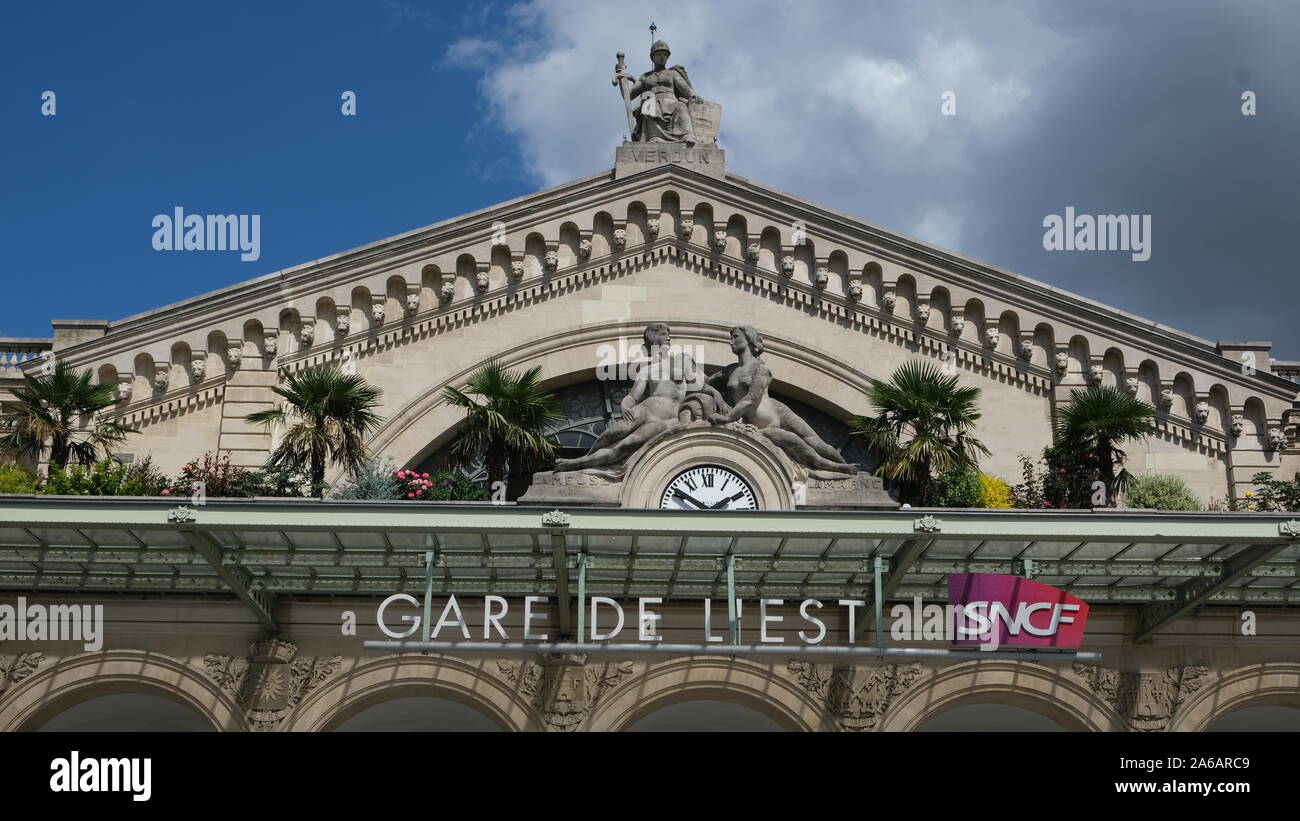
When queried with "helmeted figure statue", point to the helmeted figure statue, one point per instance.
{"points": [[663, 114]]}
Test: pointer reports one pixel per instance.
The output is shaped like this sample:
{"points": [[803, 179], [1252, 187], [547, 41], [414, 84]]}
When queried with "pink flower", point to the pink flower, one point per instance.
{"points": [[397, 473], [166, 491], [410, 495], [424, 476], [185, 467], [1062, 470]]}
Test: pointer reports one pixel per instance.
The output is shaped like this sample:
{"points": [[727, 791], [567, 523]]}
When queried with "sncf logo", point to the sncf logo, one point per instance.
{"points": [[1012, 611]]}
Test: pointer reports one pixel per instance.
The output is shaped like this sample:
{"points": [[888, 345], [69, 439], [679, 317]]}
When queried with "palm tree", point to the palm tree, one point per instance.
{"points": [[506, 418], [48, 408], [1095, 422], [922, 426], [330, 414]]}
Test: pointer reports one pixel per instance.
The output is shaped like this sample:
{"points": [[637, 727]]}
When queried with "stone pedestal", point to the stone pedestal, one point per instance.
{"points": [[632, 158], [776, 481]]}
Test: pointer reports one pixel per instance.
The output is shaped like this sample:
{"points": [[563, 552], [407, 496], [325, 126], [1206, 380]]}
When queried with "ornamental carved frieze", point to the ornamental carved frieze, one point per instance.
{"points": [[564, 688], [856, 696], [14, 669], [271, 681], [1146, 701]]}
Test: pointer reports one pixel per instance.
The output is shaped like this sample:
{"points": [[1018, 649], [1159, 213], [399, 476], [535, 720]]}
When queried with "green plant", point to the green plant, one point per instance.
{"points": [[15, 478], [994, 492], [507, 415], [329, 414], [1272, 494], [1160, 491], [1093, 425], [956, 488], [373, 480], [214, 474], [922, 427], [450, 486], [46, 414], [107, 477], [1060, 478]]}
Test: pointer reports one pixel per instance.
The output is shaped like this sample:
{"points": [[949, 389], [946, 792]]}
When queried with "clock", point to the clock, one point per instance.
{"points": [[708, 487]]}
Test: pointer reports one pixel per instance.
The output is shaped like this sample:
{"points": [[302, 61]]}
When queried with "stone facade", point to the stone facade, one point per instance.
{"points": [[221, 668], [586, 265]]}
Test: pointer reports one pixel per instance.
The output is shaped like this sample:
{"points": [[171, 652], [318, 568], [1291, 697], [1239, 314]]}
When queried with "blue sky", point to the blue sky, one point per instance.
{"points": [[1110, 107], [232, 109]]}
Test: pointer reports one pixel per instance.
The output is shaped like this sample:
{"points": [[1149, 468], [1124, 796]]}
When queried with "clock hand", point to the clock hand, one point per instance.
{"points": [[698, 504], [726, 501]]}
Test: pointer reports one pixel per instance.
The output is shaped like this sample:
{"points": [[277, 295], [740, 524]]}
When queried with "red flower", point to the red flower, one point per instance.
{"points": [[166, 491], [410, 495], [424, 476]]}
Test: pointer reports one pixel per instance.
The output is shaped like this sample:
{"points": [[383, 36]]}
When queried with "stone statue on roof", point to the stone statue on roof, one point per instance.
{"points": [[669, 110]]}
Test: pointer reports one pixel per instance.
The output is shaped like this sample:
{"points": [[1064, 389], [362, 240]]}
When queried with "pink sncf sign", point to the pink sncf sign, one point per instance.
{"points": [[1014, 611]]}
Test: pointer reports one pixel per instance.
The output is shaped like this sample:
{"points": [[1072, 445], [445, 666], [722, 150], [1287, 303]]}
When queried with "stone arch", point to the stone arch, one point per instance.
{"points": [[290, 326], [805, 260], [180, 375], [406, 675], [414, 432], [740, 681], [431, 285], [1112, 363], [873, 283], [325, 319], [1079, 360], [602, 234], [940, 310], [1255, 432], [1009, 333], [216, 362], [905, 292], [1149, 382], [359, 319], [395, 297], [1219, 413], [637, 220], [769, 249], [1184, 395], [1046, 690], [466, 277], [1044, 345], [79, 678], [1274, 684], [143, 367], [975, 316], [670, 214], [703, 216], [737, 237], [567, 253], [252, 347], [535, 254]]}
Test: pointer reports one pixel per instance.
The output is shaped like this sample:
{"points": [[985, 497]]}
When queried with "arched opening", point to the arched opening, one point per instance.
{"points": [[705, 715], [419, 714], [1261, 719], [989, 718], [127, 712]]}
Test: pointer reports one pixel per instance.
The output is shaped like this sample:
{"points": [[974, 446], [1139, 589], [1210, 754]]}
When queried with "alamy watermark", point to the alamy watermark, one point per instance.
{"points": [[1104, 232], [179, 231], [53, 622]]}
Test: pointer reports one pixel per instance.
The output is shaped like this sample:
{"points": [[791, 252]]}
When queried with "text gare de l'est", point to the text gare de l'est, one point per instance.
{"points": [[977, 620]]}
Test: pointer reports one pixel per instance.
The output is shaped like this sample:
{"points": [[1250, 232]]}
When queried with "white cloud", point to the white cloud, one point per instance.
{"points": [[836, 101]]}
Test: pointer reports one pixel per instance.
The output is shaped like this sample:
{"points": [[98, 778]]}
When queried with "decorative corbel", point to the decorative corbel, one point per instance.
{"points": [[413, 298], [342, 320], [584, 250], [162, 372], [198, 364], [306, 329], [234, 353]]}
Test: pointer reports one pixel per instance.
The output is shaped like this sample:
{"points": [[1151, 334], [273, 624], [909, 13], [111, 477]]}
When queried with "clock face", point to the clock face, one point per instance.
{"points": [[708, 487]]}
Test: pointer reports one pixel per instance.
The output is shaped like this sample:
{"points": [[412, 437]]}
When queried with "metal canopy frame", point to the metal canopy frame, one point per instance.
{"points": [[259, 550]]}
